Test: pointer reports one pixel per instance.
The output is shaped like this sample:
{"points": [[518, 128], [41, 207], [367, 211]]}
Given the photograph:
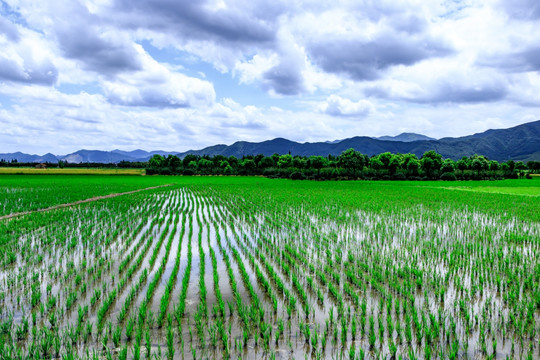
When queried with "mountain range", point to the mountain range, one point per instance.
{"points": [[520, 143], [405, 137]]}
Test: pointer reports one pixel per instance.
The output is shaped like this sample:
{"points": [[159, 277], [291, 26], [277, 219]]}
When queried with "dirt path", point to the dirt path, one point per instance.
{"points": [[96, 198]]}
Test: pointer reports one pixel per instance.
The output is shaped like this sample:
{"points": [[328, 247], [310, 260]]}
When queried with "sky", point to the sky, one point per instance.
{"points": [[181, 74]]}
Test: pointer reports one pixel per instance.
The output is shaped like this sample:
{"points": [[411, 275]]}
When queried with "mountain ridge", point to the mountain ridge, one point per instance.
{"points": [[520, 143], [405, 137]]}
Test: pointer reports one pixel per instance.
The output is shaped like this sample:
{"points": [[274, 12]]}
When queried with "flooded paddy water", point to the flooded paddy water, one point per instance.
{"points": [[196, 272]]}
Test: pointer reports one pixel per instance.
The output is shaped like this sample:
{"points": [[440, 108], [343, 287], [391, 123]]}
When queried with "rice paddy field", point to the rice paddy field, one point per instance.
{"points": [[256, 268], [68, 171]]}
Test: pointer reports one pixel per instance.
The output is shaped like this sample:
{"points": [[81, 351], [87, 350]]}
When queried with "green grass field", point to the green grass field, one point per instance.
{"points": [[522, 191], [69, 171], [31, 192], [250, 267]]}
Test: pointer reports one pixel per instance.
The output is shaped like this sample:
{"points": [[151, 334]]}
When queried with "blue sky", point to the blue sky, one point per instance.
{"points": [[179, 75]]}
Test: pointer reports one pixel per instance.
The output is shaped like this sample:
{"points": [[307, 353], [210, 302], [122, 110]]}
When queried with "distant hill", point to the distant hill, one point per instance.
{"points": [[406, 137], [94, 156], [521, 142], [21, 157], [142, 155]]}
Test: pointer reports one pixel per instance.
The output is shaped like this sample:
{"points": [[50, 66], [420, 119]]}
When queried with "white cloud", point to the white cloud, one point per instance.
{"points": [[338, 106], [295, 69], [25, 58], [156, 85]]}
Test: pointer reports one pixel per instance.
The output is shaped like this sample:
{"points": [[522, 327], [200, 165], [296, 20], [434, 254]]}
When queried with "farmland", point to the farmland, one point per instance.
{"points": [[248, 267], [68, 171]]}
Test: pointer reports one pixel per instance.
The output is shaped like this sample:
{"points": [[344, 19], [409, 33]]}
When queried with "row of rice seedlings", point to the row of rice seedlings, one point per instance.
{"points": [[143, 306], [372, 282], [54, 301], [164, 302]]}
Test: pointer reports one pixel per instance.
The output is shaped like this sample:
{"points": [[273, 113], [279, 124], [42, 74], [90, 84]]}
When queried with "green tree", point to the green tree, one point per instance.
{"points": [[233, 161], [394, 164], [218, 159], [299, 162], [257, 158], [317, 162], [157, 161], [494, 165], [533, 166], [188, 159], [433, 166], [406, 158], [428, 166], [248, 166], [385, 158], [193, 165], [267, 162], [223, 164], [173, 162], [351, 160], [285, 161], [375, 163], [448, 166], [511, 165], [480, 164], [205, 165], [520, 166], [463, 164], [413, 167]]}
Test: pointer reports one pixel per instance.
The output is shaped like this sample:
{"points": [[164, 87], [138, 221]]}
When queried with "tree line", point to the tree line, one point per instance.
{"points": [[64, 164], [350, 164]]}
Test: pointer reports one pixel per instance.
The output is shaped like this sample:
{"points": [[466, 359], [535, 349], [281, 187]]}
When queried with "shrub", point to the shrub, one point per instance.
{"points": [[297, 175], [448, 176], [165, 171], [228, 170]]}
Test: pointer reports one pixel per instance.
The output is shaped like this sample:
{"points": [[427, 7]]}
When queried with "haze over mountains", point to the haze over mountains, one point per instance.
{"points": [[521, 142], [405, 137]]}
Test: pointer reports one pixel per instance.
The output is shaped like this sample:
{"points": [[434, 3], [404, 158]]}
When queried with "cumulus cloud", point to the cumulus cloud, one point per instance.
{"points": [[363, 60], [446, 91], [233, 115], [25, 59], [148, 67], [106, 52], [447, 83], [157, 86], [287, 77], [338, 106], [28, 71], [8, 29], [91, 42], [179, 91], [218, 32], [524, 60], [522, 9], [232, 21], [284, 79], [454, 92], [523, 90]]}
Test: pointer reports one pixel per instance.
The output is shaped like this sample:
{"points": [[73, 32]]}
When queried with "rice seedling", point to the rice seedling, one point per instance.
{"points": [[399, 270]]}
